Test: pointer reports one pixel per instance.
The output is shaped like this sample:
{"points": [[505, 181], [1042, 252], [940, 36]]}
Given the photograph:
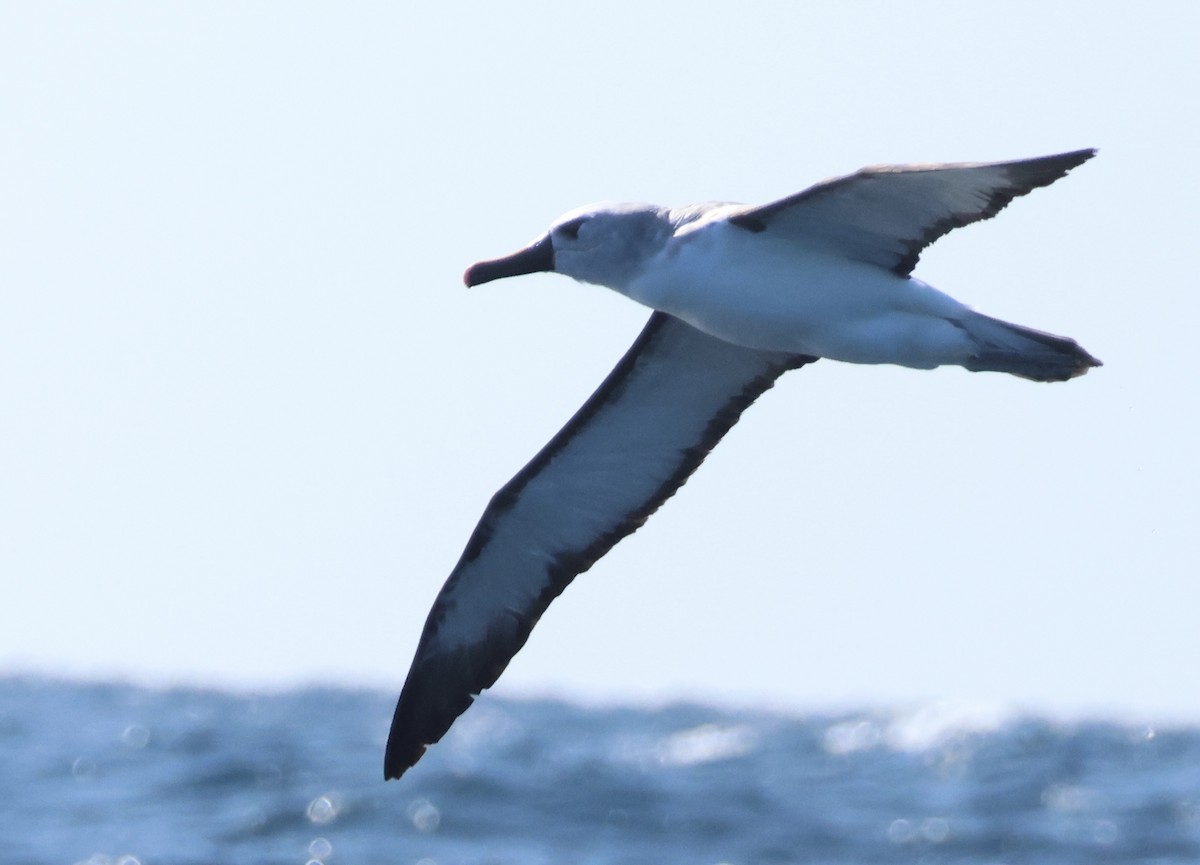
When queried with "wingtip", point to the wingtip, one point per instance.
{"points": [[433, 696], [1075, 158], [404, 749], [400, 756], [1044, 170], [404, 746], [1083, 369]]}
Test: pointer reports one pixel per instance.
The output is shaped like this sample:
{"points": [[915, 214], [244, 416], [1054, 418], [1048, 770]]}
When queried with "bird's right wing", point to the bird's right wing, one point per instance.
{"points": [[886, 215], [667, 403]]}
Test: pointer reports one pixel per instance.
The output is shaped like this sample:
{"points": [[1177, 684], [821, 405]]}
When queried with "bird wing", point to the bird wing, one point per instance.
{"points": [[886, 215], [665, 405]]}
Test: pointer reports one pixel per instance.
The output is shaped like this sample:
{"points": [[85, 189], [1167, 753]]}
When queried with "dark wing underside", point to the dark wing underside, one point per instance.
{"points": [[888, 214], [668, 402]]}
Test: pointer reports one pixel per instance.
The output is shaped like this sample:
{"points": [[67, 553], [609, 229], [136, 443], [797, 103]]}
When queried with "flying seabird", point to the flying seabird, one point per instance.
{"points": [[740, 294]]}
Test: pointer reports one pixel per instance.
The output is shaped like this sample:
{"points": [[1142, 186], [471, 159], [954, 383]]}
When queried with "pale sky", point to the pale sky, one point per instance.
{"points": [[249, 415]]}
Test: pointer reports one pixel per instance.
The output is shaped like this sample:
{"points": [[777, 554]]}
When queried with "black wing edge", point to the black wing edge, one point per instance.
{"points": [[427, 708], [1024, 175]]}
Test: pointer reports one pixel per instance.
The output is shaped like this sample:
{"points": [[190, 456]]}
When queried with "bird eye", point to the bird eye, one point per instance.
{"points": [[571, 229]]}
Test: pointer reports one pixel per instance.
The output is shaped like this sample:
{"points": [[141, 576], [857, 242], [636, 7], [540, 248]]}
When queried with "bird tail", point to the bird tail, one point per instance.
{"points": [[1023, 351]]}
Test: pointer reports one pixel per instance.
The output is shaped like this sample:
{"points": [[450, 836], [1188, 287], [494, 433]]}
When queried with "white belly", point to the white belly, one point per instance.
{"points": [[762, 293]]}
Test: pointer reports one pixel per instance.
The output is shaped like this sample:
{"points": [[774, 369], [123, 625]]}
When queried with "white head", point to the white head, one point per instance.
{"points": [[600, 243]]}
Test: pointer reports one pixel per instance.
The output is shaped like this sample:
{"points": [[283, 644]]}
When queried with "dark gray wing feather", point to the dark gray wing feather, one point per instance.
{"points": [[667, 403], [887, 215]]}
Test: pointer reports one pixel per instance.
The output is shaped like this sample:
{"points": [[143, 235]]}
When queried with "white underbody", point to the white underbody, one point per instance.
{"points": [[766, 293]]}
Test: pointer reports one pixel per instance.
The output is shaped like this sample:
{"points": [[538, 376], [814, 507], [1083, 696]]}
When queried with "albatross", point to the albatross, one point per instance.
{"points": [[741, 294]]}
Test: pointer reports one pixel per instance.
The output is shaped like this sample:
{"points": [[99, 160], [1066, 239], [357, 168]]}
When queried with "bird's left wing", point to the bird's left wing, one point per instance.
{"points": [[888, 214], [667, 403]]}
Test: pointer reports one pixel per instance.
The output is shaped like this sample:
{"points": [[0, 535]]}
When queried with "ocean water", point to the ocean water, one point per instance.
{"points": [[112, 774]]}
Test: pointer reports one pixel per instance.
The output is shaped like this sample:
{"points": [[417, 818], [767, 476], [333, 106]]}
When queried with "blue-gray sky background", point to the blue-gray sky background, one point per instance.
{"points": [[249, 415]]}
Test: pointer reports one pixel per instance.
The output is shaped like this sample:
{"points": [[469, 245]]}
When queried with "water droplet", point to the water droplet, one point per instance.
{"points": [[424, 815], [325, 809], [935, 830], [135, 736], [901, 831], [320, 848]]}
